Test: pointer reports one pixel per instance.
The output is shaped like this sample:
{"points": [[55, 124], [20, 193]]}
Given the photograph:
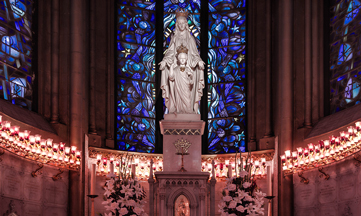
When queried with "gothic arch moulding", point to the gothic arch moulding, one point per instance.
{"points": [[183, 191]]}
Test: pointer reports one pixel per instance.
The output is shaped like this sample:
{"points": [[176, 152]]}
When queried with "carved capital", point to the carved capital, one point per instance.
{"points": [[162, 196], [202, 196]]}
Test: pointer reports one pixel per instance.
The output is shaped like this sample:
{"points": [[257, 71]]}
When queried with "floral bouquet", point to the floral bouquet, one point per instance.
{"points": [[124, 197], [241, 196], [123, 194]]}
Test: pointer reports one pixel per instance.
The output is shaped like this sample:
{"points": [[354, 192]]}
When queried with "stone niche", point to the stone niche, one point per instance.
{"points": [[192, 185], [22, 194]]}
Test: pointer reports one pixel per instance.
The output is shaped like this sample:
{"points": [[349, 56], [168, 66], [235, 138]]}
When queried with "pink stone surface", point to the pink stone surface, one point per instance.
{"points": [[193, 161], [182, 117]]}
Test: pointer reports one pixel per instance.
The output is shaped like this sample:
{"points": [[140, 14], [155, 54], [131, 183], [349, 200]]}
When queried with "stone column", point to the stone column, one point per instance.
{"points": [[45, 59], [162, 210], [151, 190], [92, 127], [268, 118], [77, 23], [55, 61], [213, 182], [285, 24], [251, 80], [110, 79], [321, 58], [308, 66], [110, 86], [203, 204], [315, 62]]}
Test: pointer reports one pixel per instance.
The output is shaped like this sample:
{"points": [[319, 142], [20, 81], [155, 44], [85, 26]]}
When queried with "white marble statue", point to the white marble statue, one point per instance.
{"points": [[182, 83]]}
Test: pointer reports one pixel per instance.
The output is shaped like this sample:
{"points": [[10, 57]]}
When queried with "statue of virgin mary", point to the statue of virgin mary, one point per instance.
{"points": [[182, 37]]}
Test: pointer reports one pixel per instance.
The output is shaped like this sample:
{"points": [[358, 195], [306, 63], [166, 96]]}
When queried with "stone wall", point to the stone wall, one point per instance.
{"points": [[338, 196], [35, 196]]}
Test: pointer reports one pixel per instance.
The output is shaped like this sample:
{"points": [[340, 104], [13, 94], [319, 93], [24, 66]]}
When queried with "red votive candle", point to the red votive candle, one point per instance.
{"points": [[283, 158], [310, 147], [67, 151], [21, 136], [61, 146], [49, 142], [73, 149], [78, 154], [26, 134], [32, 140], [55, 147], [42, 144], [37, 138]]}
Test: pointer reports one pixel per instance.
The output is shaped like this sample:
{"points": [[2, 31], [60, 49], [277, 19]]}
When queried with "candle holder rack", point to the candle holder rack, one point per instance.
{"points": [[58, 175]]}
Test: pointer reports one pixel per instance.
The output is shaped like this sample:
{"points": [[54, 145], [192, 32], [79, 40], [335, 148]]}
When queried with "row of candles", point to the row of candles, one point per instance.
{"points": [[35, 148], [138, 167], [325, 152], [142, 168], [258, 167]]}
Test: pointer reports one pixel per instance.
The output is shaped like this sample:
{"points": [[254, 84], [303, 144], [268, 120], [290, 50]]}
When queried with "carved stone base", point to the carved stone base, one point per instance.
{"points": [[109, 143], [182, 126], [95, 140], [193, 185], [266, 143]]}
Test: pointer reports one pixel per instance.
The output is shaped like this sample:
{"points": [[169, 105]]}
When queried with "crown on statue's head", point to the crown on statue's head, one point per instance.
{"points": [[181, 13], [182, 49]]}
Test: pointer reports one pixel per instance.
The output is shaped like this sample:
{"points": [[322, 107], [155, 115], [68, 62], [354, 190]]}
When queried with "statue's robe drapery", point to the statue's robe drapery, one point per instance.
{"points": [[187, 40], [183, 88]]}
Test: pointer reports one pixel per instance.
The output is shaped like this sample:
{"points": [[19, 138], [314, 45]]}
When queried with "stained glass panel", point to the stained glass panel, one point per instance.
{"points": [[226, 99], [227, 29], [226, 76], [226, 135], [145, 4], [221, 5], [136, 76], [136, 62], [135, 134], [136, 98], [226, 64], [16, 76], [345, 54], [136, 26]]}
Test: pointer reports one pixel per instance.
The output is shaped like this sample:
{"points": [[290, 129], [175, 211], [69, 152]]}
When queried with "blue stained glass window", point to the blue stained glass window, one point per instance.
{"points": [[345, 54], [16, 75], [136, 76], [226, 135], [226, 76], [135, 134]]}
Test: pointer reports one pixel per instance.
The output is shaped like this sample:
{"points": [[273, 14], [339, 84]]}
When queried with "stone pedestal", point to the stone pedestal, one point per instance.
{"points": [[172, 183], [193, 185], [189, 127]]}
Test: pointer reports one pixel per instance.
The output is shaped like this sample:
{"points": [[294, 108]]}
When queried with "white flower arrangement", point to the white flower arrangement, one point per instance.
{"points": [[241, 196], [124, 196]]}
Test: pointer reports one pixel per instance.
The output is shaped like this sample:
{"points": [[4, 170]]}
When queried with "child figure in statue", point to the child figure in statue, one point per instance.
{"points": [[182, 77]]}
